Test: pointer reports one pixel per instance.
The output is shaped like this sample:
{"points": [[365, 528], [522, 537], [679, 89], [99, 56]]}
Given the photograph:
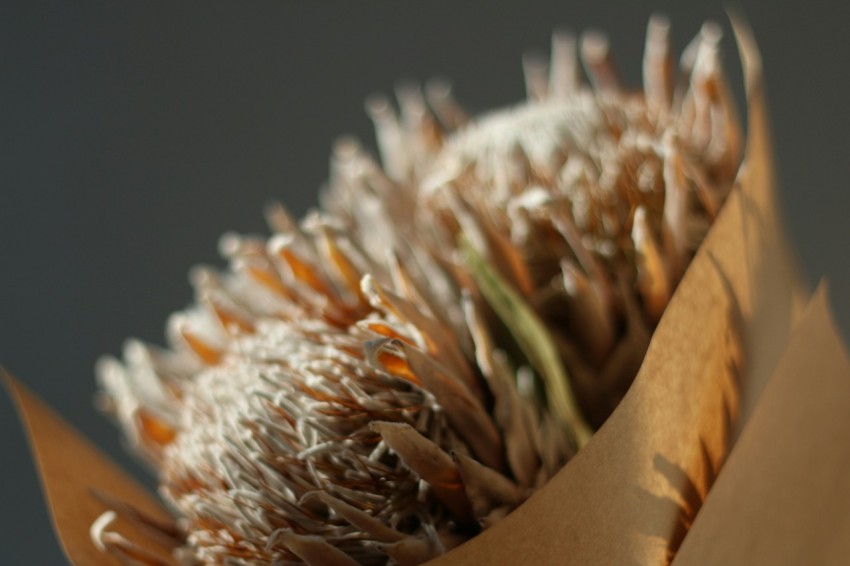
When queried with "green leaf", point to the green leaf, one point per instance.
{"points": [[533, 339]]}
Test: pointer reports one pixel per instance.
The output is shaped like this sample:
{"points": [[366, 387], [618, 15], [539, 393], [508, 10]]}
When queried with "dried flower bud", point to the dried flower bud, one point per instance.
{"points": [[385, 378]]}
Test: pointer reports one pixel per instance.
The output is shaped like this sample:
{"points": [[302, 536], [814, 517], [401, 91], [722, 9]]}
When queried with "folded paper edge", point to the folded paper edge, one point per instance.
{"points": [[778, 293], [71, 505], [742, 518]]}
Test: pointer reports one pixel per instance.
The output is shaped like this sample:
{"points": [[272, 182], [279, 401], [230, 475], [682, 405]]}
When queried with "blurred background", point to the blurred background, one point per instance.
{"points": [[135, 133]]}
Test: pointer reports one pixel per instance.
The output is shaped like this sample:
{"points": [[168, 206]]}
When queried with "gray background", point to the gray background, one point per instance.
{"points": [[135, 133]]}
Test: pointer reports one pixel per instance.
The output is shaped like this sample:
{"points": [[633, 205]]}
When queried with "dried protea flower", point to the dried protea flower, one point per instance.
{"points": [[401, 369], [589, 201]]}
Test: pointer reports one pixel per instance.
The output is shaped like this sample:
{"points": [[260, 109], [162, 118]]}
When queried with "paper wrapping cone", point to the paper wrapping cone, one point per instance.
{"points": [[631, 494]]}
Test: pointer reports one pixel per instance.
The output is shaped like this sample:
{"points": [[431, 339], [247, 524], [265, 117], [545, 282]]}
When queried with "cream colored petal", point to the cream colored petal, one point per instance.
{"points": [[356, 517], [485, 487], [429, 461], [411, 551], [313, 550], [467, 415]]}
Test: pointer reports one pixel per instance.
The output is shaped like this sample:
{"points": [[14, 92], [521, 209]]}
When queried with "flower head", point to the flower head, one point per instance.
{"points": [[388, 376]]}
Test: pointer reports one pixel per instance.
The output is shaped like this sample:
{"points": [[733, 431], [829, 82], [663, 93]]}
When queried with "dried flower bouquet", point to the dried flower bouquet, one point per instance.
{"points": [[403, 368]]}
